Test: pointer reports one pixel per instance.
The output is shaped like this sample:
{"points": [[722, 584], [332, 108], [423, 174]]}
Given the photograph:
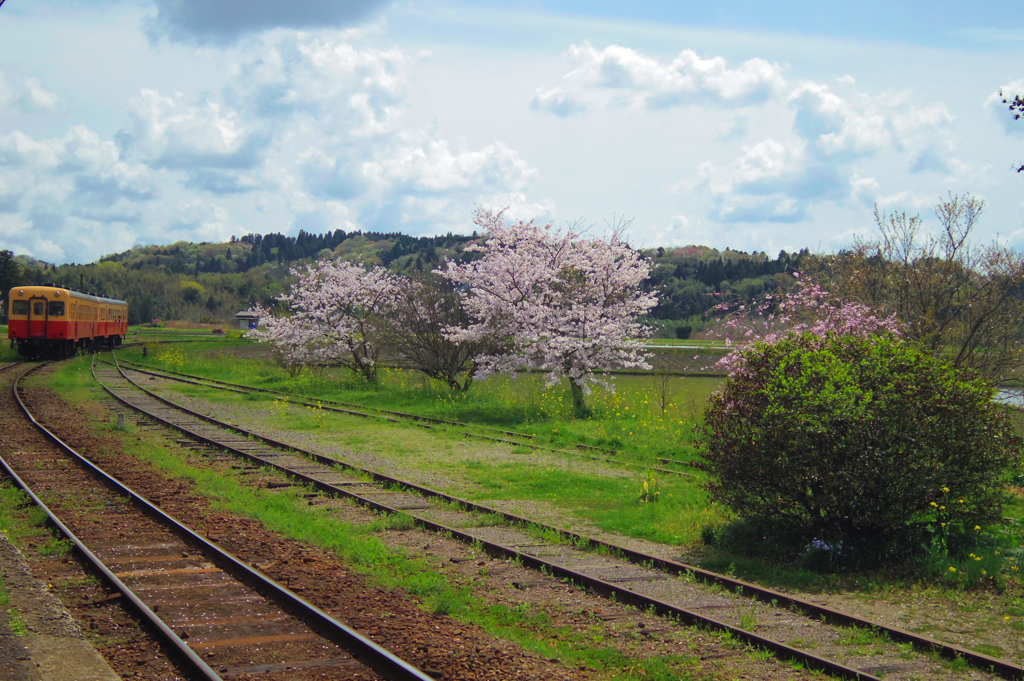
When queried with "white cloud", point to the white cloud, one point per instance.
{"points": [[172, 132], [558, 102], [358, 89], [28, 96], [223, 21], [864, 190], [319, 120], [620, 76], [338, 110], [200, 220], [18, 149], [74, 190], [779, 179], [432, 167], [844, 128]]}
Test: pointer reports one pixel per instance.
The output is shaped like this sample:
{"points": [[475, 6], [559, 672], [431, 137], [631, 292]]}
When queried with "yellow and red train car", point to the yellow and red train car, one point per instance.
{"points": [[49, 321]]}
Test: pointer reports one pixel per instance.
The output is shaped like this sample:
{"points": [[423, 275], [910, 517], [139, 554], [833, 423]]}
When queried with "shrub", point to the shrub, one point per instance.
{"points": [[865, 441]]}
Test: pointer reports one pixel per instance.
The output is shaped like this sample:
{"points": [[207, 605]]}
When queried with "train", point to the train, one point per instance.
{"points": [[52, 322]]}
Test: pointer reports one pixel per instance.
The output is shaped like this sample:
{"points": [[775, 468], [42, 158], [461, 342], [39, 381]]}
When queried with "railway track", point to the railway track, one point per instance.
{"points": [[497, 435], [220, 617], [761, 617]]}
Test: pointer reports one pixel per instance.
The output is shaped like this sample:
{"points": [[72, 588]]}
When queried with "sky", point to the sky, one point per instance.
{"points": [[749, 125]]}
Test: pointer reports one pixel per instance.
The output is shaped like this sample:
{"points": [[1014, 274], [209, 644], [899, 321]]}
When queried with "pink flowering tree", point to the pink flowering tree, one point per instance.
{"points": [[808, 308], [332, 317], [554, 301]]}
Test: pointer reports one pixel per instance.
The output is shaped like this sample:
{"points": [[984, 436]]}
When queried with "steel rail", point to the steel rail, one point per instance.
{"points": [[421, 421], [828, 615], [599, 586], [193, 661], [366, 651]]}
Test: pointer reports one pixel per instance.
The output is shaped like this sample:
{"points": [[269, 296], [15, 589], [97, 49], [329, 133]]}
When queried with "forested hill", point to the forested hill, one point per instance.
{"points": [[211, 282]]}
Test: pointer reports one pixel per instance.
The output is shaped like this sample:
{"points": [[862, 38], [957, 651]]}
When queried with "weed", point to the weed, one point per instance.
{"points": [[748, 617], [649, 492], [16, 622], [56, 547]]}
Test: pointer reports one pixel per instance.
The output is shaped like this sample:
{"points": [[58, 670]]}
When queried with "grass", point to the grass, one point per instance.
{"points": [[7, 353], [630, 420], [19, 521], [609, 496], [287, 512]]}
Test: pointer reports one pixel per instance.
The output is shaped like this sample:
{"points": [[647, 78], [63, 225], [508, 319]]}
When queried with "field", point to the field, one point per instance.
{"points": [[649, 419], [629, 420]]}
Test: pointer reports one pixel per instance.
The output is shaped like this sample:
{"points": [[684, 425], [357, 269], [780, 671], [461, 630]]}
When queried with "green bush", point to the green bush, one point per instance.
{"points": [[854, 446]]}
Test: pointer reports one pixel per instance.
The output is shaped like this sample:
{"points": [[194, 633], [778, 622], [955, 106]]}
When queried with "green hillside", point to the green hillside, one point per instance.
{"points": [[210, 282]]}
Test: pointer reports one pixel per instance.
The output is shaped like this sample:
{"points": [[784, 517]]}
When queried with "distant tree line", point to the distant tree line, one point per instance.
{"points": [[210, 282]]}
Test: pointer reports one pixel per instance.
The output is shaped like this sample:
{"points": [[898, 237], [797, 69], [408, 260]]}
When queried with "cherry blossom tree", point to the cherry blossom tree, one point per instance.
{"points": [[808, 308], [554, 301], [333, 312]]}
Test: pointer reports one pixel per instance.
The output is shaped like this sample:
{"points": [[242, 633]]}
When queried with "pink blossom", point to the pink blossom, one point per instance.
{"points": [[809, 309], [557, 301], [332, 310]]}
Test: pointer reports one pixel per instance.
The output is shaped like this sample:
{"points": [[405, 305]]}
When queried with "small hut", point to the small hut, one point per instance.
{"points": [[247, 319]]}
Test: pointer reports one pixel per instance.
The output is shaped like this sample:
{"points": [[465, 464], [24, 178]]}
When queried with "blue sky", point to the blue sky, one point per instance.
{"points": [[758, 126]]}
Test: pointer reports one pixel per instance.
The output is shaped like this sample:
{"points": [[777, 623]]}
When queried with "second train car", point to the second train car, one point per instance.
{"points": [[49, 321]]}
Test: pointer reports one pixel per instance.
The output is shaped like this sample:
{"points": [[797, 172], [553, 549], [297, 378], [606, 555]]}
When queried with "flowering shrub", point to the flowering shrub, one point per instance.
{"points": [[853, 439]]}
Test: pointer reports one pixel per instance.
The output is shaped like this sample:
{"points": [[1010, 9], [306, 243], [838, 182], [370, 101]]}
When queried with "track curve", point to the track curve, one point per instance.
{"points": [[222, 605]]}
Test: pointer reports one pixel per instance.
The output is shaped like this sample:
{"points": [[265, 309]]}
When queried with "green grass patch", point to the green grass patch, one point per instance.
{"points": [[612, 503], [8, 353], [630, 419], [20, 519]]}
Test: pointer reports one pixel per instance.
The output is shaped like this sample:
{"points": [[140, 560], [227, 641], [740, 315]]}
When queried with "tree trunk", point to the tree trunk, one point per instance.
{"points": [[367, 369], [580, 410]]}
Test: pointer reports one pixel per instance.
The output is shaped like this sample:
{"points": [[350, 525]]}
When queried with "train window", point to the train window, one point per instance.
{"points": [[38, 309], [56, 308], [19, 307]]}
